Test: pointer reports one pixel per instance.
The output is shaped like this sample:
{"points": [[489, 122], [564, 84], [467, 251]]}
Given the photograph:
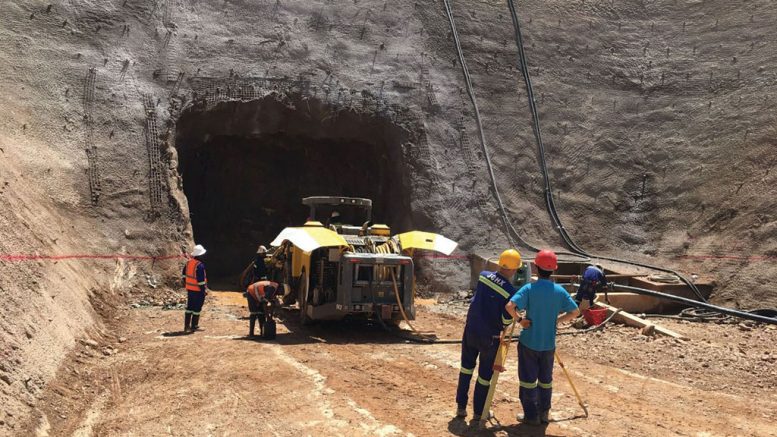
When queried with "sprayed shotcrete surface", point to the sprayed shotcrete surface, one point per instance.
{"points": [[658, 118]]}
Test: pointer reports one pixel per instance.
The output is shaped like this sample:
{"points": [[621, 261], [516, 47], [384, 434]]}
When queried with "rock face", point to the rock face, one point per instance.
{"points": [[132, 128]]}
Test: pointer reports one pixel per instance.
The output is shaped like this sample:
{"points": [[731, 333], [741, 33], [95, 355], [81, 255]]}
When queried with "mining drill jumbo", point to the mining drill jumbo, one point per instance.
{"points": [[333, 270]]}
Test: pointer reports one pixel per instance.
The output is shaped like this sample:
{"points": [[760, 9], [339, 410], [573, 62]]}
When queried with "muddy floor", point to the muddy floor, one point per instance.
{"points": [[144, 378]]}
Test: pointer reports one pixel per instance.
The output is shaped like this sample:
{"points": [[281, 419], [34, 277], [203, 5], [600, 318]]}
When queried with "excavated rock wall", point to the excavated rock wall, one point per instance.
{"points": [[657, 117]]}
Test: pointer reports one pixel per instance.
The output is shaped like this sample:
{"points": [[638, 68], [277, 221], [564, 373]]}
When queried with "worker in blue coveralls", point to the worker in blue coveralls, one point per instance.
{"points": [[486, 318], [543, 301], [593, 281], [195, 280]]}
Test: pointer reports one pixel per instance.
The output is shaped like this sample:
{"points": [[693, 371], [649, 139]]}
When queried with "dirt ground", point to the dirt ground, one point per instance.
{"points": [[144, 378], [658, 118]]}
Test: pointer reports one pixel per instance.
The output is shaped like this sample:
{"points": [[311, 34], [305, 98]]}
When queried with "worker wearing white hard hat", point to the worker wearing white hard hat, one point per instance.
{"points": [[260, 266], [334, 220], [195, 281]]}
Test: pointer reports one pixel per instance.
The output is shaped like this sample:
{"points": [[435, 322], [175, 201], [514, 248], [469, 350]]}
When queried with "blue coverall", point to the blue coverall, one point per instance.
{"points": [[543, 301], [593, 281], [486, 319]]}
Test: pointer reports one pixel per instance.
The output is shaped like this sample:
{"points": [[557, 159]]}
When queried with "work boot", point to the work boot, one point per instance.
{"points": [[545, 416], [195, 322], [476, 418], [533, 421], [461, 412], [187, 320], [251, 325]]}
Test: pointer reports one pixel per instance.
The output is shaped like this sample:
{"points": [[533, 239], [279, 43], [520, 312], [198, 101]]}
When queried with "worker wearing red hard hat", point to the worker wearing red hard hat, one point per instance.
{"points": [[543, 301], [486, 318]]}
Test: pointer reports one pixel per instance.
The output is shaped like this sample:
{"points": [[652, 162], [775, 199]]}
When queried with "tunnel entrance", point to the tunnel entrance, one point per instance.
{"points": [[247, 165]]}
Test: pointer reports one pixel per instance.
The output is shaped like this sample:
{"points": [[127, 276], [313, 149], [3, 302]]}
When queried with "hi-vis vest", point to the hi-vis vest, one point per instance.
{"points": [[191, 276], [256, 290]]}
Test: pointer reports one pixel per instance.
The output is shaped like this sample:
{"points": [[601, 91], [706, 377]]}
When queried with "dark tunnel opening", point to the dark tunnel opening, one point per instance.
{"points": [[247, 165]]}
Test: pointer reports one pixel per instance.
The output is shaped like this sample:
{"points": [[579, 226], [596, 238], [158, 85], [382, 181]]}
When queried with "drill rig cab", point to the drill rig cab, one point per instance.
{"points": [[342, 269]]}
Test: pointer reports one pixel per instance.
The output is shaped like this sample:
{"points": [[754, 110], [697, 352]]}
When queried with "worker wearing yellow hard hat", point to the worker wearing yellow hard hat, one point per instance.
{"points": [[486, 318], [510, 259]]}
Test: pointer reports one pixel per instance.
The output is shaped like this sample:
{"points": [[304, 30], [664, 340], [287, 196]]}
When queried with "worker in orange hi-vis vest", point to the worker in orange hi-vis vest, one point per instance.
{"points": [[196, 282], [258, 295]]}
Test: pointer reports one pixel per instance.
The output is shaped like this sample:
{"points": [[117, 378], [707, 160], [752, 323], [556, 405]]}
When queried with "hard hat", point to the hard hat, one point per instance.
{"points": [[510, 259], [261, 249], [335, 214], [546, 260], [198, 250]]}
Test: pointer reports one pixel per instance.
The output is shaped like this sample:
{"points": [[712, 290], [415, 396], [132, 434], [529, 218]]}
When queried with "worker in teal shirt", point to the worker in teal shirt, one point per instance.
{"points": [[543, 301]]}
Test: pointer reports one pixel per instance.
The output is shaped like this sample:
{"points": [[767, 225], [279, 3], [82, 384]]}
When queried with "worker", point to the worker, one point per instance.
{"points": [[256, 270], [258, 294], [195, 281], [260, 268], [486, 319], [543, 301], [334, 220], [593, 281]]}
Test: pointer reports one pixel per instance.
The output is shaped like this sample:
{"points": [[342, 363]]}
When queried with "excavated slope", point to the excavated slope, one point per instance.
{"points": [[657, 117]]}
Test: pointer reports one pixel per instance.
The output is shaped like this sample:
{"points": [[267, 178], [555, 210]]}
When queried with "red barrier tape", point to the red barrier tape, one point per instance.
{"points": [[441, 256], [728, 257], [26, 257]]}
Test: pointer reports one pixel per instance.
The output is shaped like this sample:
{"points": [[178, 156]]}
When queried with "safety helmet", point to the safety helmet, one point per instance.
{"points": [[261, 250], [546, 260], [510, 259], [198, 250], [335, 214]]}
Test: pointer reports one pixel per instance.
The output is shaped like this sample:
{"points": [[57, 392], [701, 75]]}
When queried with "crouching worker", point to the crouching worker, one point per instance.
{"points": [[593, 281], [486, 318], [543, 301], [258, 295]]}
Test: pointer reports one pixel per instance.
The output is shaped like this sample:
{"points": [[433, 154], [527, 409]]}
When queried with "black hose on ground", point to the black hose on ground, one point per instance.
{"points": [[592, 328], [693, 303], [549, 201]]}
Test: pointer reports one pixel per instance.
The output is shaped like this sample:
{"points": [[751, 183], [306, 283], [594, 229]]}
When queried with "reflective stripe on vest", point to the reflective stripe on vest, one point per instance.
{"points": [[191, 276], [256, 290], [501, 291]]}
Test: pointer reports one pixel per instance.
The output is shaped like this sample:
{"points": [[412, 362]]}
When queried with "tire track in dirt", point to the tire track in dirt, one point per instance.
{"points": [[355, 379]]}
